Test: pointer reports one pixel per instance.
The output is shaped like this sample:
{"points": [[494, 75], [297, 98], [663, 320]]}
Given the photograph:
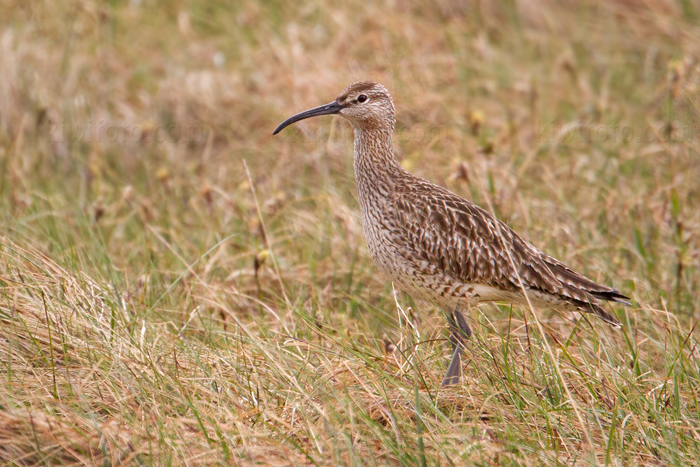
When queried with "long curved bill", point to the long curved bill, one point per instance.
{"points": [[328, 109]]}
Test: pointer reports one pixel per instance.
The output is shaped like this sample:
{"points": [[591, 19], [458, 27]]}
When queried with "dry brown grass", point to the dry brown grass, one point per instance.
{"points": [[153, 313]]}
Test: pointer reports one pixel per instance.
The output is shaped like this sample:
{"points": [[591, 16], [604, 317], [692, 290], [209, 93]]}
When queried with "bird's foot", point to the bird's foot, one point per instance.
{"points": [[459, 333]]}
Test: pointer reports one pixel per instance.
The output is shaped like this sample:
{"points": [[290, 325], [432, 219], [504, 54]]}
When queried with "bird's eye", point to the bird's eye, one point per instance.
{"points": [[362, 98]]}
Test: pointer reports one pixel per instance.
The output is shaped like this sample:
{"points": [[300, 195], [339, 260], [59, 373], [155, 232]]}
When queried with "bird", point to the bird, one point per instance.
{"points": [[436, 245]]}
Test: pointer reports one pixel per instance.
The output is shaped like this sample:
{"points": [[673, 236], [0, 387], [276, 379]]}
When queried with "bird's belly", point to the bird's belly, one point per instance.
{"points": [[418, 277], [421, 280]]}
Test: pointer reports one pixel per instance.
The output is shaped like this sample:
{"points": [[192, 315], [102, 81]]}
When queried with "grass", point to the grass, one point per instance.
{"points": [[178, 287]]}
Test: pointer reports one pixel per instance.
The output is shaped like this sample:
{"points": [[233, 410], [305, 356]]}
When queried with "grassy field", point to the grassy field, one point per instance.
{"points": [[178, 287]]}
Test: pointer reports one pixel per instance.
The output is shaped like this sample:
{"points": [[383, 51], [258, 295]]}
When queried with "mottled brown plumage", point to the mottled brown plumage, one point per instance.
{"points": [[438, 245]]}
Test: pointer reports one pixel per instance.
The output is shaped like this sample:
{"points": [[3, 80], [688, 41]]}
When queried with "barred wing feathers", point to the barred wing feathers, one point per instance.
{"points": [[468, 243]]}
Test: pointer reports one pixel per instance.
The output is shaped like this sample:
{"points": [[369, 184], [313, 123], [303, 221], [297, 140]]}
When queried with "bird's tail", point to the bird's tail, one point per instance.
{"points": [[601, 313], [611, 296]]}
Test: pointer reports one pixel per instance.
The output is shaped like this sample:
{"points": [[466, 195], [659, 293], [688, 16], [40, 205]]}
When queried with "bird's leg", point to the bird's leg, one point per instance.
{"points": [[459, 333]]}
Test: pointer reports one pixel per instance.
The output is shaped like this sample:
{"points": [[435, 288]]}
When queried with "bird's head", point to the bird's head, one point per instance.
{"points": [[366, 105]]}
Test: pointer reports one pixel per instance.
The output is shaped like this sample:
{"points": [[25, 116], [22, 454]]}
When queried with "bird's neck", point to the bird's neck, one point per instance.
{"points": [[374, 155]]}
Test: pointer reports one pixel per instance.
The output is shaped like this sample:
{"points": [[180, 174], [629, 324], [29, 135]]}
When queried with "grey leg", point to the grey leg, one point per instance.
{"points": [[459, 333]]}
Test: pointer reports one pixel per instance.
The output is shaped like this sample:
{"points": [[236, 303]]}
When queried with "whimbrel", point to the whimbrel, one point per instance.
{"points": [[437, 245]]}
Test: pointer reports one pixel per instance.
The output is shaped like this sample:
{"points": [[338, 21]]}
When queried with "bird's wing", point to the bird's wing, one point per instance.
{"points": [[467, 242]]}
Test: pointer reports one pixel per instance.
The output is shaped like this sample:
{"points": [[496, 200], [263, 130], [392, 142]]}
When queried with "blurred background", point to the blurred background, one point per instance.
{"points": [[168, 265]]}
